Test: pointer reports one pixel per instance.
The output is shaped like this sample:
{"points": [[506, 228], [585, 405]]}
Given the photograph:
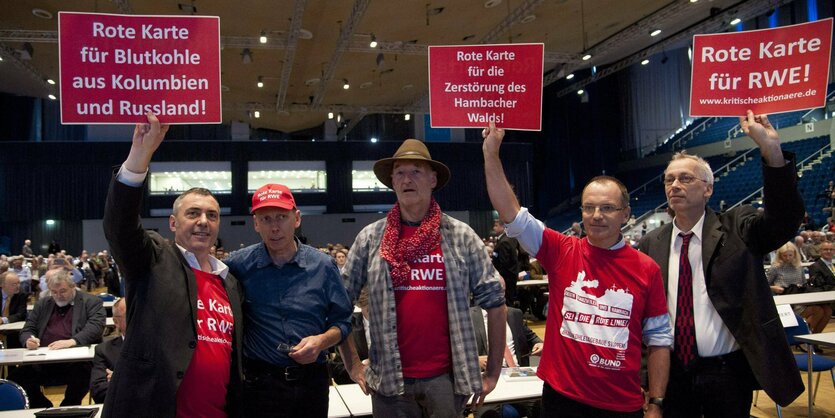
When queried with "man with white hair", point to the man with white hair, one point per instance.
{"points": [[26, 251], [65, 319], [23, 272], [14, 302]]}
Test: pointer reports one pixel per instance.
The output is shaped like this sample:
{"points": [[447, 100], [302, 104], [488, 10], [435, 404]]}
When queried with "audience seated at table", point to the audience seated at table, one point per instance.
{"points": [[107, 354], [14, 306], [786, 277], [522, 344], [65, 319]]}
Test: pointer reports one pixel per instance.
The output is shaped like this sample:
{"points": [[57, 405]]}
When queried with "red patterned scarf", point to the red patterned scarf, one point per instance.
{"points": [[399, 252]]}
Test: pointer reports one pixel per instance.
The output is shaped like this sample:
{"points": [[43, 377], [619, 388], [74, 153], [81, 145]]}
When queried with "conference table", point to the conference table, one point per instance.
{"points": [[16, 356], [17, 326], [106, 304], [805, 298], [826, 339], [29, 413], [514, 390], [526, 283]]}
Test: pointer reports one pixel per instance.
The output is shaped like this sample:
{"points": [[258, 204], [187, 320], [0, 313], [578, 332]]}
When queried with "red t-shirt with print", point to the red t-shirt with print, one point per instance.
{"points": [[422, 319], [202, 392]]}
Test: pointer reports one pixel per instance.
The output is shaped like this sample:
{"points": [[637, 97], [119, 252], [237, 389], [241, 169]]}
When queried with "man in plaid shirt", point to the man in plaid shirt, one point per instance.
{"points": [[420, 267]]}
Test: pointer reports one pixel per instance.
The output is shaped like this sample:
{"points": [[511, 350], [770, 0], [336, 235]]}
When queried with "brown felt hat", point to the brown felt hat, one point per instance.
{"points": [[411, 149]]}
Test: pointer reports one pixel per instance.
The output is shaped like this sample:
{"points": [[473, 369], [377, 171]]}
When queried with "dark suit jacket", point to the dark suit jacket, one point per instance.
{"points": [[733, 247], [161, 315], [88, 319], [523, 337], [821, 277], [17, 307], [106, 356]]}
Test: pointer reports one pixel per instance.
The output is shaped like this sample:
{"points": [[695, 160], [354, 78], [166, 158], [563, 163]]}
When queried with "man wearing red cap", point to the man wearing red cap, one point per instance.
{"points": [[295, 309], [183, 355], [421, 267]]}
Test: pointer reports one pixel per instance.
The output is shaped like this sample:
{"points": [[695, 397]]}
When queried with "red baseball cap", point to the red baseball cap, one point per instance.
{"points": [[273, 196]]}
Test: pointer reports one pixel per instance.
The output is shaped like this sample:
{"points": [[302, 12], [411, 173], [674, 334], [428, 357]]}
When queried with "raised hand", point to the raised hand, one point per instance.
{"points": [[146, 139]]}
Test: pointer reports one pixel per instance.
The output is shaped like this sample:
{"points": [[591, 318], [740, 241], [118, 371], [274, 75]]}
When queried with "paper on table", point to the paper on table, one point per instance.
{"points": [[66, 353]]}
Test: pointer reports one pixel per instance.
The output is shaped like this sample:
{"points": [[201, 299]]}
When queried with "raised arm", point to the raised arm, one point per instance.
{"points": [[501, 194], [146, 140]]}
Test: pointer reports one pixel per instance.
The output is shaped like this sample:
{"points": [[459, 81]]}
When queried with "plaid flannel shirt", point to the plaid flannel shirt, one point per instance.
{"points": [[469, 270]]}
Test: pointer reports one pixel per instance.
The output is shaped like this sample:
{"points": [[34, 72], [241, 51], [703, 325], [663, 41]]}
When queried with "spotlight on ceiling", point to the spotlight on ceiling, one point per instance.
{"points": [[735, 21], [339, 117], [257, 114], [407, 116], [580, 92], [656, 32], [345, 84], [373, 43], [260, 82], [645, 62], [570, 76], [52, 97], [586, 57], [330, 115], [246, 56], [373, 140], [263, 38], [50, 81]]}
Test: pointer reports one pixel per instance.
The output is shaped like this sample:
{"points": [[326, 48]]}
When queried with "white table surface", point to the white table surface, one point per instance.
{"points": [[45, 355], [523, 283], [105, 304], [824, 338], [506, 391], [29, 413], [356, 401], [17, 326], [336, 407], [805, 298]]}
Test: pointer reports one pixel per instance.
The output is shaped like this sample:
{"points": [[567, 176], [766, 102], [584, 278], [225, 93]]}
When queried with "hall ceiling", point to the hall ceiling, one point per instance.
{"points": [[331, 37]]}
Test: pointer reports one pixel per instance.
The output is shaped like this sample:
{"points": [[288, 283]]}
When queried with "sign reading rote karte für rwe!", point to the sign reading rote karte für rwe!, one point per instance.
{"points": [[116, 68], [473, 85]]}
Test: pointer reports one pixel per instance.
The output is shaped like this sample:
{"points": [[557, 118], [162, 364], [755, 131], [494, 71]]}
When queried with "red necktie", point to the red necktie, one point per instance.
{"points": [[685, 332]]}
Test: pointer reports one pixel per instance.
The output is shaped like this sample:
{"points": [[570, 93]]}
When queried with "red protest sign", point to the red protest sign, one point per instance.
{"points": [[473, 85], [115, 68], [767, 71]]}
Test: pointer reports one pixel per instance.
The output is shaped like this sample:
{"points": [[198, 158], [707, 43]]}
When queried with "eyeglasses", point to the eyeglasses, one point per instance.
{"points": [[604, 209], [683, 179]]}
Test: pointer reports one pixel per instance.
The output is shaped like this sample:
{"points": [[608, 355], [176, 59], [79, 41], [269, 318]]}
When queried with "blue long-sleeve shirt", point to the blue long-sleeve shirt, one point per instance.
{"points": [[284, 304]]}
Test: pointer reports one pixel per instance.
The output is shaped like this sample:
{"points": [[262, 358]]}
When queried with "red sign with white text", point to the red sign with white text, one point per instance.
{"points": [[768, 71], [115, 68], [473, 85]]}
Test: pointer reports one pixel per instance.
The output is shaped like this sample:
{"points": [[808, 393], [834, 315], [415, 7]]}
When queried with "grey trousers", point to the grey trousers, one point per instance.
{"points": [[423, 398]]}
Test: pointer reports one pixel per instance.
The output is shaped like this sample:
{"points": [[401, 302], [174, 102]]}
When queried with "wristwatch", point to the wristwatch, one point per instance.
{"points": [[657, 401]]}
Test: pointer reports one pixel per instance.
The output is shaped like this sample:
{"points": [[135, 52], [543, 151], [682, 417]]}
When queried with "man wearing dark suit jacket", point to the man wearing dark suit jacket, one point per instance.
{"points": [[107, 354], [14, 302], [730, 340], [822, 272], [64, 319], [506, 261], [182, 357]]}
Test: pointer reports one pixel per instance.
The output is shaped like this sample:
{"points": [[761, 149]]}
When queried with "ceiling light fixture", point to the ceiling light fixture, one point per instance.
{"points": [[263, 38], [570, 76], [580, 92], [373, 43], [52, 97], [330, 115], [736, 21], [373, 140], [656, 32], [246, 56], [260, 82], [257, 114], [339, 117], [407, 117], [41, 13], [645, 62], [50, 81], [345, 84], [586, 57]]}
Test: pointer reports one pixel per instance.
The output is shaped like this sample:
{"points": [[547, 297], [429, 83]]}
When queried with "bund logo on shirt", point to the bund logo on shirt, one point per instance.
{"points": [[602, 321]]}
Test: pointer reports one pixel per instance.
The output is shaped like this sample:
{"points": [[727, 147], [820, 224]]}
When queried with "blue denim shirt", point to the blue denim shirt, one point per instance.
{"points": [[284, 304]]}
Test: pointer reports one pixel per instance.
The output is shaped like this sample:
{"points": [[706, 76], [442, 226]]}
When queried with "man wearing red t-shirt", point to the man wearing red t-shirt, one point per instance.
{"points": [[606, 300], [182, 356]]}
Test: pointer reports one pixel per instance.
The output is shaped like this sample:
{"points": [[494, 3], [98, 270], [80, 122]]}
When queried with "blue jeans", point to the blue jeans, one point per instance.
{"points": [[432, 398]]}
